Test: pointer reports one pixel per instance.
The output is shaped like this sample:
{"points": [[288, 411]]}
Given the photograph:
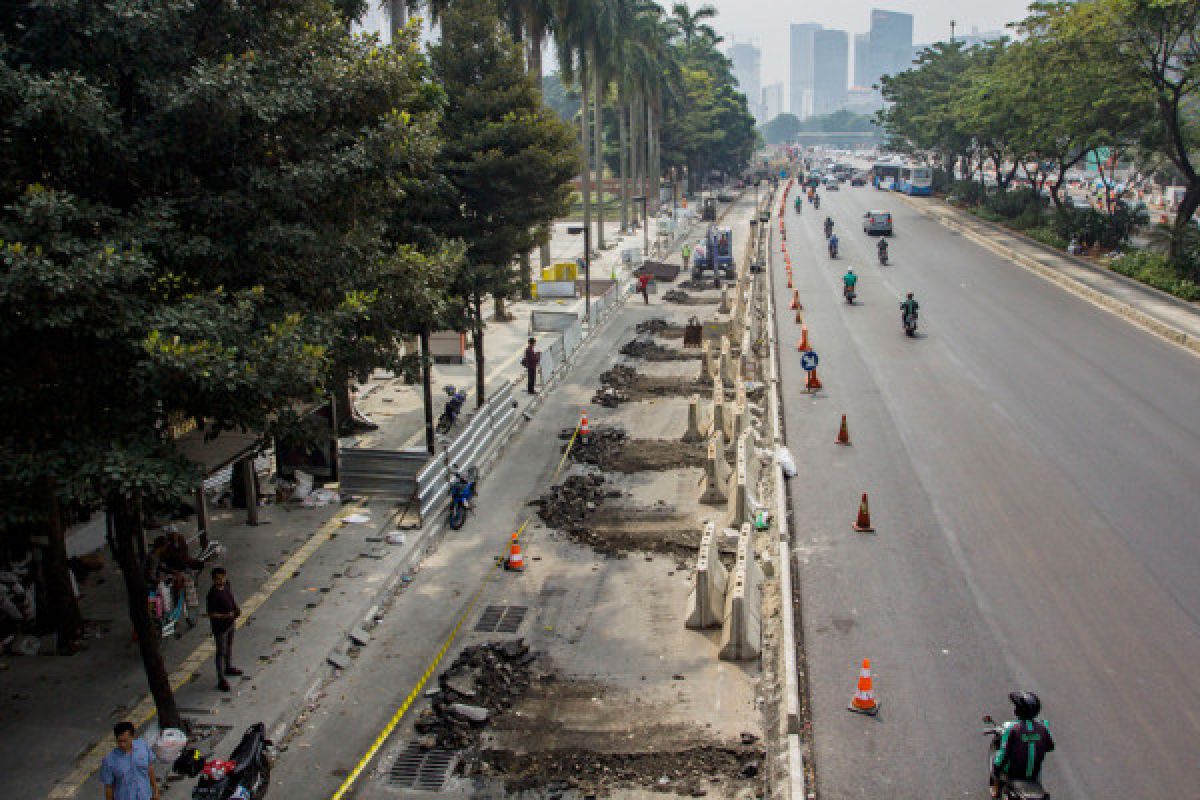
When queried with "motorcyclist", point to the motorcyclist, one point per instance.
{"points": [[909, 306], [1024, 743], [828, 227], [833, 246], [849, 281], [882, 247]]}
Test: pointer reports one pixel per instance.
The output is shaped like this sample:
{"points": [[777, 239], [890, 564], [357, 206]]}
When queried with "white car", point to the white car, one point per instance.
{"points": [[877, 222]]}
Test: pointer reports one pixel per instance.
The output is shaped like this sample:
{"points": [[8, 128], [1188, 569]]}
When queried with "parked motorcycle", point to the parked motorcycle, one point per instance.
{"points": [[454, 404], [462, 491], [246, 775], [1010, 790]]}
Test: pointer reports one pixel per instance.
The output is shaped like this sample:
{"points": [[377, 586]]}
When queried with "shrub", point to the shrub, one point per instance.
{"points": [[1153, 269], [1048, 236]]}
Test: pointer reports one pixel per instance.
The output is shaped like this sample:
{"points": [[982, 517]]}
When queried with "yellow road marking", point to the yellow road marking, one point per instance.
{"points": [[144, 711]]}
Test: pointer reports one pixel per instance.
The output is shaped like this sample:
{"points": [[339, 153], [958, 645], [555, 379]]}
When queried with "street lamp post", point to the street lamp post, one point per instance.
{"points": [[575, 230], [641, 198]]}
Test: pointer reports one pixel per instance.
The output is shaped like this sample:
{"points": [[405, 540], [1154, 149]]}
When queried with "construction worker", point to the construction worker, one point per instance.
{"points": [[643, 285], [687, 254]]}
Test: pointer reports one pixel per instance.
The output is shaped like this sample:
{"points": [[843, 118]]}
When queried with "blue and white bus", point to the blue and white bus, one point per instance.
{"points": [[915, 180], [886, 174]]}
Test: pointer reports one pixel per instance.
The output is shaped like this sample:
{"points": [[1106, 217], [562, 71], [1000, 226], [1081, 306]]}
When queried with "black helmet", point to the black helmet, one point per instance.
{"points": [[910, 294], [1026, 705]]}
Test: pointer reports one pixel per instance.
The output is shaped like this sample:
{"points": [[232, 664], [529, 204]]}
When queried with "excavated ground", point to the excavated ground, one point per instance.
{"points": [[648, 350], [612, 450], [623, 384], [684, 299]]}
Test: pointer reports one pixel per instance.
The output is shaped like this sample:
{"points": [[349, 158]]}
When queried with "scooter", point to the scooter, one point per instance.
{"points": [[462, 491], [454, 404], [1010, 790], [816, 201], [849, 293], [246, 775], [883, 256]]}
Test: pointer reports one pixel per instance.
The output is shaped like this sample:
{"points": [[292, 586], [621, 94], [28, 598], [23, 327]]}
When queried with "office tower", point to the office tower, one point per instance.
{"points": [[747, 70], [800, 75], [862, 60], [891, 44], [831, 67], [772, 101]]}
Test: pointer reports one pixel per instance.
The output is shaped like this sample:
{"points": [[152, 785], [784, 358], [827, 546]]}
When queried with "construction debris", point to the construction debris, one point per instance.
{"points": [[685, 299], [611, 449], [627, 384], [660, 327], [566, 506], [648, 350]]}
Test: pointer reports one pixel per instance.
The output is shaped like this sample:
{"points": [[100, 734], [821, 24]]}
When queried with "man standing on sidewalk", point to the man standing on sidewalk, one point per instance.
{"points": [[128, 771], [530, 361], [644, 285], [223, 612], [687, 255]]}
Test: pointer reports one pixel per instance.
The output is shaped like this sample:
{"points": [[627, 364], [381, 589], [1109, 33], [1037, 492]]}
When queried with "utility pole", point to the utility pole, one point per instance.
{"points": [[953, 24]]}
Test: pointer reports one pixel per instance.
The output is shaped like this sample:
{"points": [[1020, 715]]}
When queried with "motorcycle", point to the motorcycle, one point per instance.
{"points": [[462, 491], [828, 228], [454, 404], [910, 323], [833, 247], [849, 293], [816, 201], [246, 775], [883, 256], [1010, 790]]}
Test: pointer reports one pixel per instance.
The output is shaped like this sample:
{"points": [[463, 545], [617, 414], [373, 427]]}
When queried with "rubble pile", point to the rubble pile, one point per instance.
{"points": [[698, 286], [612, 449], [658, 325], [567, 505], [648, 350], [484, 680], [624, 383], [693, 772], [685, 299]]}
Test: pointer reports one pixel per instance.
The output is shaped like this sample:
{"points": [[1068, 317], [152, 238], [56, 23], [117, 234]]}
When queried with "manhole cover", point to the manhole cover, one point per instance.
{"points": [[501, 619], [423, 770]]}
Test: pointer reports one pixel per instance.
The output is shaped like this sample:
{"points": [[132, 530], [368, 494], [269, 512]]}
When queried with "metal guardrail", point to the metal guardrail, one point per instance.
{"points": [[485, 430]]}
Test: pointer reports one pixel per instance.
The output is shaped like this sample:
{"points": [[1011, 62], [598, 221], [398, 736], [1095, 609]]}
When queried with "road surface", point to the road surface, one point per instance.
{"points": [[1033, 466]]}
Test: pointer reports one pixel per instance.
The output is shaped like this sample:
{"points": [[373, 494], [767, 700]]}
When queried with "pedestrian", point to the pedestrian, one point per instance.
{"points": [[687, 255], [128, 771], [644, 285], [223, 612], [530, 361]]}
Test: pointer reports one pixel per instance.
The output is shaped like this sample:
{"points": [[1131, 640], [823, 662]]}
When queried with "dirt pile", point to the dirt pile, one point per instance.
{"points": [[652, 351], [613, 450], [660, 327], [623, 383], [484, 680], [698, 286], [567, 505], [684, 299], [695, 771]]}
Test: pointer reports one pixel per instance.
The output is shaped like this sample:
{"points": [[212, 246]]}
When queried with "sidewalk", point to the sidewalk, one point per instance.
{"points": [[304, 577], [1154, 310]]}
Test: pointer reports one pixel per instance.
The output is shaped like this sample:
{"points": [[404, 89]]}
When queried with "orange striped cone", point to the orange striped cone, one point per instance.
{"points": [[800, 315], [795, 299], [864, 701], [803, 346], [584, 433], [789, 280], [516, 559], [863, 523], [843, 436], [814, 383]]}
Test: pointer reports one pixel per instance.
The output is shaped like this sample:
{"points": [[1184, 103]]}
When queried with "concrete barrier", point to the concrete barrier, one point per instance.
{"points": [[716, 473], [708, 368], [741, 633], [723, 307], [706, 603], [722, 415], [696, 427], [738, 507]]}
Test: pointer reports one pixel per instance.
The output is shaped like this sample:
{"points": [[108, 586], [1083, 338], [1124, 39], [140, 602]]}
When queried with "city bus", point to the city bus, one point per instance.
{"points": [[916, 180], [886, 174]]}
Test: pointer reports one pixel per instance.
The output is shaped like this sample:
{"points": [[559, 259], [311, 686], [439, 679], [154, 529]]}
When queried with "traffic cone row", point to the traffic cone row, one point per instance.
{"points": [[802, 346]]}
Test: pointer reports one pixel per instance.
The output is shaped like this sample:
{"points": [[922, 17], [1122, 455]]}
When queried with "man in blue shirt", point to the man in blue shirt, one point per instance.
{"points": [[128, 771]]}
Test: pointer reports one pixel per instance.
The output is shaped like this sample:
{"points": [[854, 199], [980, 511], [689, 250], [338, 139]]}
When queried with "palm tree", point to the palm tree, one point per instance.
{"points": [[691, 25]]}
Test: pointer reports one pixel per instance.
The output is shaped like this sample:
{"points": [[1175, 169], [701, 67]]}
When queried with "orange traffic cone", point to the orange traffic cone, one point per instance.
{"points": [[803, 344], [795, 299], [863, 701], [516, 559], [584, 433], [863, 523], [814, 382], [844, 434], [789, 280], [800, 315]]}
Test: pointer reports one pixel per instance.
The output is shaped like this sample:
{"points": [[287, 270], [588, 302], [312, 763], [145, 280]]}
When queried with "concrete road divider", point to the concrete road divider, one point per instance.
{"points": [[708, 367], [738, 508], [706, 603], [723, 413], [724, 307], [741, 635], [695, 427], [716, 473], [728, 377]]}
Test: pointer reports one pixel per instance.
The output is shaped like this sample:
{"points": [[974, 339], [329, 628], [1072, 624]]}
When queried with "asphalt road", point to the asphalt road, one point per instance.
{"points": [[1033, 464]]}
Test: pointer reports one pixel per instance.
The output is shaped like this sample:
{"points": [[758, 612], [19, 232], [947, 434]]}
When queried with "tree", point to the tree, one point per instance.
{"points": [[507, 157], [191, 200]]}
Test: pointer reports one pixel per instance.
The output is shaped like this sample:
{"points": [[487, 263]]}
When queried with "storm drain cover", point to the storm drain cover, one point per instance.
{"points": [[501, 619], [423, 770]]}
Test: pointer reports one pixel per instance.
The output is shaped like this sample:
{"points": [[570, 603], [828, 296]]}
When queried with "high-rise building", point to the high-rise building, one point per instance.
{"points": [[862, 59], [831, 67], [891, 44], [772, 101], [747, 70], [800, 74]]}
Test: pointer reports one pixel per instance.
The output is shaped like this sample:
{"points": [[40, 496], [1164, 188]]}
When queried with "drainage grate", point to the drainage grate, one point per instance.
{"points": [[424, 770], [501, 619]]}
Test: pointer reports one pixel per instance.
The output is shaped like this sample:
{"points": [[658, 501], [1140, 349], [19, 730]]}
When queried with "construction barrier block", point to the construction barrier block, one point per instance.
{"points": [[695, 428], [706, 602], [741, 633], [716, 473]]}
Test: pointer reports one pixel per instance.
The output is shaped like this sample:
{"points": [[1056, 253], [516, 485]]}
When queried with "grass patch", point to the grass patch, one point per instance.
{"points": [[1047, 236], [1153, 269]]}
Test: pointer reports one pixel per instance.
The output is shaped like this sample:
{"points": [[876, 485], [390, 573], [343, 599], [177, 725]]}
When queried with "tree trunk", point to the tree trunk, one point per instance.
{"points": [[477, 342], [127, 524], [527, 275], [623, 160], [61, 603], [534, 61], [1187, 207], [501, 310], [586, 141], [427, 390], [598, 143]]}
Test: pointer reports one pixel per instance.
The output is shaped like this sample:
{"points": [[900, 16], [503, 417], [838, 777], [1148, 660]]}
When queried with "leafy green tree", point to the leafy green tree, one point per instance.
{"points": [[507, 157], [192, 207]]}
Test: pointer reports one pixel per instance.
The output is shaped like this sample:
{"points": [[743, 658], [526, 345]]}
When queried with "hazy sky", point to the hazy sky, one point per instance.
{"points": [[765, 22]]}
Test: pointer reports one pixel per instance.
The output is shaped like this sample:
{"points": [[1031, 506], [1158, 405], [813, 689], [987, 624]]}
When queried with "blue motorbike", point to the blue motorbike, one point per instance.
{"points": [[462, 492], [454, 404]]}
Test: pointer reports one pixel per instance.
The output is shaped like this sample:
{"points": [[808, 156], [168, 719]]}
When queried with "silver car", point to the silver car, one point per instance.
{"points": [[877, 223]]}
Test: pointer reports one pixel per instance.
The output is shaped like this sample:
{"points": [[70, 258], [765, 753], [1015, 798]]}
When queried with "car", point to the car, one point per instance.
{"points": [[877, 223], [725, 196], [831, 184], [859, 179]]}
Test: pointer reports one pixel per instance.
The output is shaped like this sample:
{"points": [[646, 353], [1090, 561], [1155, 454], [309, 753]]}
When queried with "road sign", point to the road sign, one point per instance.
{"points": [[809, 360]]}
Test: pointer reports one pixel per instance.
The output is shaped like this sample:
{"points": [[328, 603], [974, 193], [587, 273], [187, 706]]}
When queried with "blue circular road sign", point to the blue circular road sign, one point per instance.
{"points": [[809, 360]]}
